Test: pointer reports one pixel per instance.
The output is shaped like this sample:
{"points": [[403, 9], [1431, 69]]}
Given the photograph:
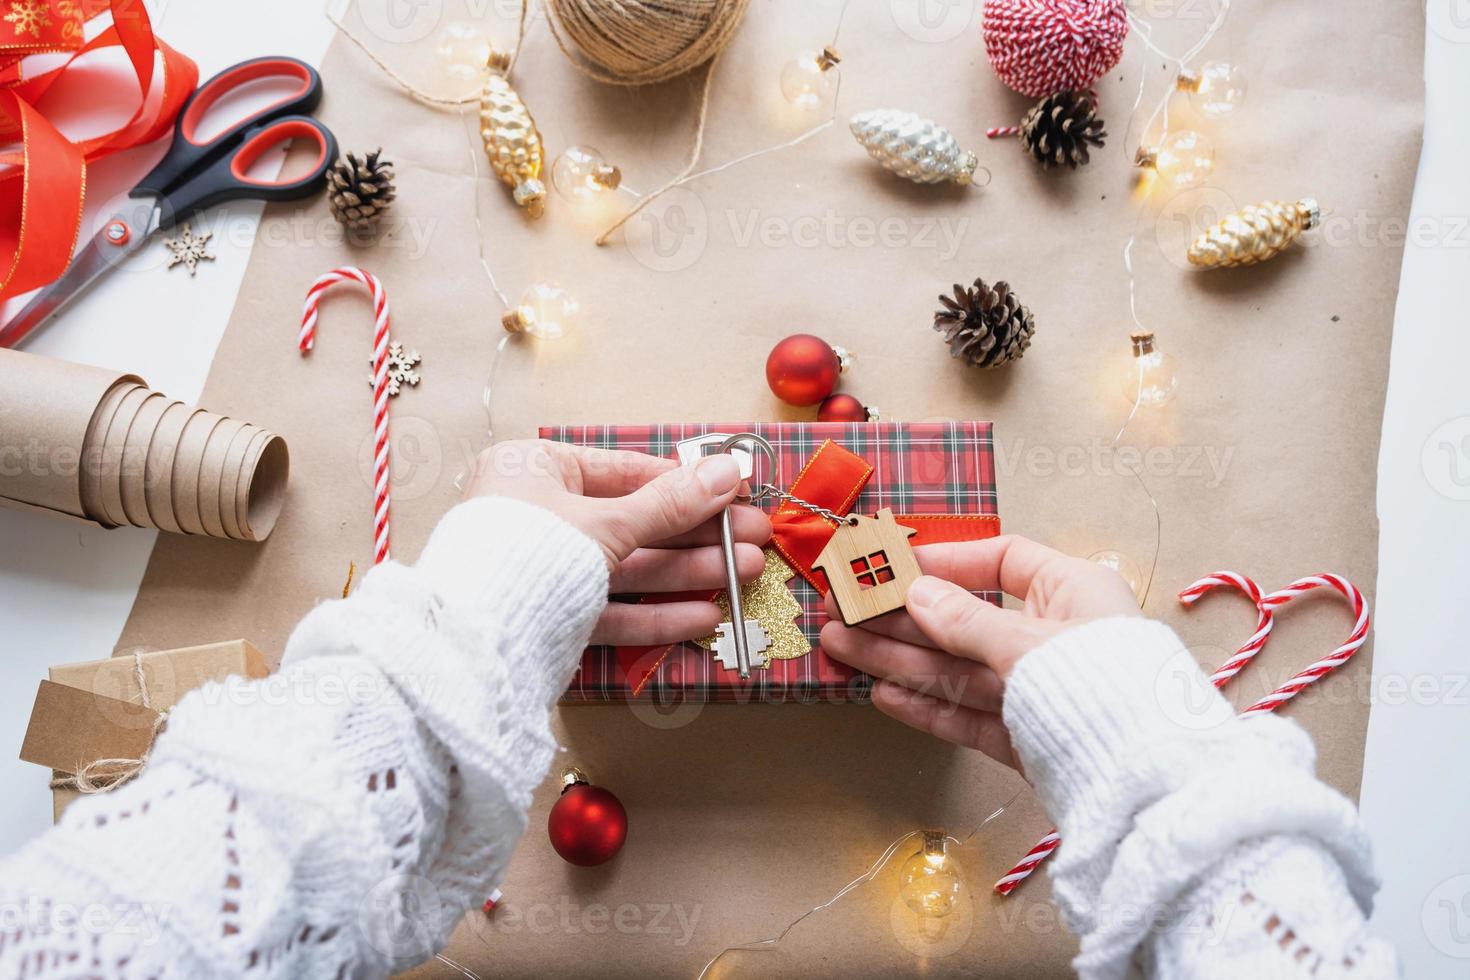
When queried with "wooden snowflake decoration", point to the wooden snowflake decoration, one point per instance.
{"points": [[189, 248], [400, 368], [27, 17]]}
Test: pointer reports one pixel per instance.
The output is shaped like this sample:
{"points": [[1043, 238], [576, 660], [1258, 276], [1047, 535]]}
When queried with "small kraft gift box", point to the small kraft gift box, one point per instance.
{"points": [[111, 709], [936, 478]]}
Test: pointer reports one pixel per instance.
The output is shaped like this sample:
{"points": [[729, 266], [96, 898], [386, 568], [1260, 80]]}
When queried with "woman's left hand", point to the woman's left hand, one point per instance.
{"points": [[657, 523]]}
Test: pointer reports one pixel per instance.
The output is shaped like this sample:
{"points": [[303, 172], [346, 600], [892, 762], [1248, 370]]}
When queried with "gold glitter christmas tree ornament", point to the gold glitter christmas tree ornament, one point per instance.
{"points": [[770, 602], [1254, 234], [512, 141]]}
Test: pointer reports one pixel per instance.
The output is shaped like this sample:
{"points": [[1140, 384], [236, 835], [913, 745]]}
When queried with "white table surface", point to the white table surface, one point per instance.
{"points": [[65, 589]]}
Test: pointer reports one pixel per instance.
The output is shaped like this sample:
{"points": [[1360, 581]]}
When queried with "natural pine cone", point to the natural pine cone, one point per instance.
{"points": [[360, 189], [985, 325], [1058, 129]]}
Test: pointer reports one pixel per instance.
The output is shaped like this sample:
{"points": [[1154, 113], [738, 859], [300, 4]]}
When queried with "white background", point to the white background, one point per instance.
{"points": [[65, 589]]}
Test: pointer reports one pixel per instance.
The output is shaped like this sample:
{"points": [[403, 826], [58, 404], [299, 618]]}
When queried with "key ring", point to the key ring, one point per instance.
{"points": [[762, 490]]}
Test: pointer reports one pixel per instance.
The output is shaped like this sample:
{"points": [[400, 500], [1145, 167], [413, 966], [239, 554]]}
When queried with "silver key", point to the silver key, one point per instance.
{"points": [[724, 647], [751, 637]]}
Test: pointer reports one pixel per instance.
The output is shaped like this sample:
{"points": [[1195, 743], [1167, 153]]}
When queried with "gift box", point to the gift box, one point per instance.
{"points": [[938, 478], [111, 709]]}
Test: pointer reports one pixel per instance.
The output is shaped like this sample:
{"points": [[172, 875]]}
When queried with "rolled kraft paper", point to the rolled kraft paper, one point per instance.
{"points": [[211, 475], [91, 475], [186, 469], [44, 417], [112, 454], [265, 479], [229, 485], [242, 486], [159, 471], [134, 476]]}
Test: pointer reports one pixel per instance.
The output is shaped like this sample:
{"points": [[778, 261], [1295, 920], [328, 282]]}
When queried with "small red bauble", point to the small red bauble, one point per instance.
{"points": [[845, 408], [803, 369], [588, 825]]}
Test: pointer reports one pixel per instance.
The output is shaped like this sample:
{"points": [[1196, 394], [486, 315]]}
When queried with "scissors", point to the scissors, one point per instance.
{"points": [[196, 174]]}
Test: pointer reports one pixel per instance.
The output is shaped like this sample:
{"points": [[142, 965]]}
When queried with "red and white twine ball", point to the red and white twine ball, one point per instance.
{"points": [[1042, 47]]}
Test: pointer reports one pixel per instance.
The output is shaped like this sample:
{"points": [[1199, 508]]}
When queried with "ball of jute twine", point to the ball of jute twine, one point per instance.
{"points": [[640, 42]]}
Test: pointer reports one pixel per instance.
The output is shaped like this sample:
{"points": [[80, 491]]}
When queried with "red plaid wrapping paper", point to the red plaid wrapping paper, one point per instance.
{"points": [[918, 468]]}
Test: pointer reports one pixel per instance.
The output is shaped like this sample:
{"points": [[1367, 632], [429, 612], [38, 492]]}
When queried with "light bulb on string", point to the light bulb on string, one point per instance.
{"points": [[1184, 159], [930, 882], [1216, 88], [462, 50], [1122, 564], [807, 80], [581, 174], [546, 311], [1151, 378]]}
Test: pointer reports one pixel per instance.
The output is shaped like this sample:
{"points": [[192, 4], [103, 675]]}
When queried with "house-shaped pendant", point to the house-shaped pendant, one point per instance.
{"points": [[869, 565]]}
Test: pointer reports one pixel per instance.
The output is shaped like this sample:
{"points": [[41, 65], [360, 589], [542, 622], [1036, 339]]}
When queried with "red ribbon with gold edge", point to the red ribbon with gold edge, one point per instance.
{"points": [[43, 184], [832, 479]]}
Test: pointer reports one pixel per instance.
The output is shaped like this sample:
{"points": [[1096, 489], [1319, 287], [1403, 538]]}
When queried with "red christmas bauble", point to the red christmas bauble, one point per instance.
{"points": [[803, 369], [842, 408], [588, 825]]}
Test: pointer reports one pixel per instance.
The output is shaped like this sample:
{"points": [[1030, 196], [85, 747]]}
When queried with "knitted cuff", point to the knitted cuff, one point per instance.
{"points": [[1080, 706]]}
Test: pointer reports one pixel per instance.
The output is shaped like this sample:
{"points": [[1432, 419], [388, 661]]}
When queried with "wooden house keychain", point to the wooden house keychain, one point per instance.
{"points": [[869, 562]]}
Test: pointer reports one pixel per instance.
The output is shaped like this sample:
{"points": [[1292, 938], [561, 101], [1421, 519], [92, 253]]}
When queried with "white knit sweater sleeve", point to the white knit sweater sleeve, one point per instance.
{"points": [[1195, 843], [336, 819]]}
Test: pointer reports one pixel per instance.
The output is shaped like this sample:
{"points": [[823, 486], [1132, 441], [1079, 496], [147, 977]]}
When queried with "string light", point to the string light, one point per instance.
{"points": [[807, 80], [546, 311], [581, 174], [1216, 88], [1122, 564], [1184, 159], [462, 50], [930, 882], [1151, 378]]}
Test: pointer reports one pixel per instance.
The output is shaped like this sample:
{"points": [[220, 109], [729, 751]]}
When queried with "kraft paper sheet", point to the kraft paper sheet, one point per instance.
{"points": [[743, 817]]}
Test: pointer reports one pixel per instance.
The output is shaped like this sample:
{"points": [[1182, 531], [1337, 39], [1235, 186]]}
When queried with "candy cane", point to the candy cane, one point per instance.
{"points": [[1333, 660], [1266, 607], [307, 340]]}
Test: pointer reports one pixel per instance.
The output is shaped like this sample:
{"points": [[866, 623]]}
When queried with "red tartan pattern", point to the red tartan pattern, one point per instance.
{"points": [[919, 468]]}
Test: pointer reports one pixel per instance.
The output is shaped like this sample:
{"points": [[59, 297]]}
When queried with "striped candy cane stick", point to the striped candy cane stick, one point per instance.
{"points": [[1333, 660], [1266, 607], [307, 340]]}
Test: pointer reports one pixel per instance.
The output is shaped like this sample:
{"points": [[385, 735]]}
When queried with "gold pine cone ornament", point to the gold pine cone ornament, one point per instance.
{"points": [[512, 141], [1254, 234]]}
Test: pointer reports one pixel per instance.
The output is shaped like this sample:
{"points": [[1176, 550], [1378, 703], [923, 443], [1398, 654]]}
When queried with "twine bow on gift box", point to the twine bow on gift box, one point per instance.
{"points": [[831, 480], [104, 775]]}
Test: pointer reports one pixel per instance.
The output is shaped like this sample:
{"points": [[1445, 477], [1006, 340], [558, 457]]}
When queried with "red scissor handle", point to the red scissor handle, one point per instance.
{"points": [[228, 178], [188, 156]]}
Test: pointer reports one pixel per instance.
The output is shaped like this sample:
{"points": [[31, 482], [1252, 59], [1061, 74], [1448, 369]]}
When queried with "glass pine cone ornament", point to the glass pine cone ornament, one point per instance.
{"points": [[1254, 234], [545, 310], [582, 174], [1215, 90], [1185, 159], [915, 148], [462, 50], [1150, 379], [807, 80], [929, 882], [512, 141]]}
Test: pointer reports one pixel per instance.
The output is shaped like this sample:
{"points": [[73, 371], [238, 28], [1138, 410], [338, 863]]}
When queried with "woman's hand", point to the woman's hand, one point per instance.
{"points": [[656, 522], [942, 663]]}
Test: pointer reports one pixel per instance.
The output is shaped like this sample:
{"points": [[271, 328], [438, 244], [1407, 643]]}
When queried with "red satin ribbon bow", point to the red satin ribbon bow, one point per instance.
{"points": [[831, 479], [43, 184]]}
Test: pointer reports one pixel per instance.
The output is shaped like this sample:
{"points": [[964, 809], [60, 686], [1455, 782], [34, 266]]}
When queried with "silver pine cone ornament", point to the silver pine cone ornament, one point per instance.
{"points": [[1254, 234], [1058, 130], [984, 325], [914, 148], [360, 189]]}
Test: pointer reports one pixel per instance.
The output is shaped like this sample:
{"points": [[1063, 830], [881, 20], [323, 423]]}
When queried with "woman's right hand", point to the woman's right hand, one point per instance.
{"points": [[941, 664]]}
